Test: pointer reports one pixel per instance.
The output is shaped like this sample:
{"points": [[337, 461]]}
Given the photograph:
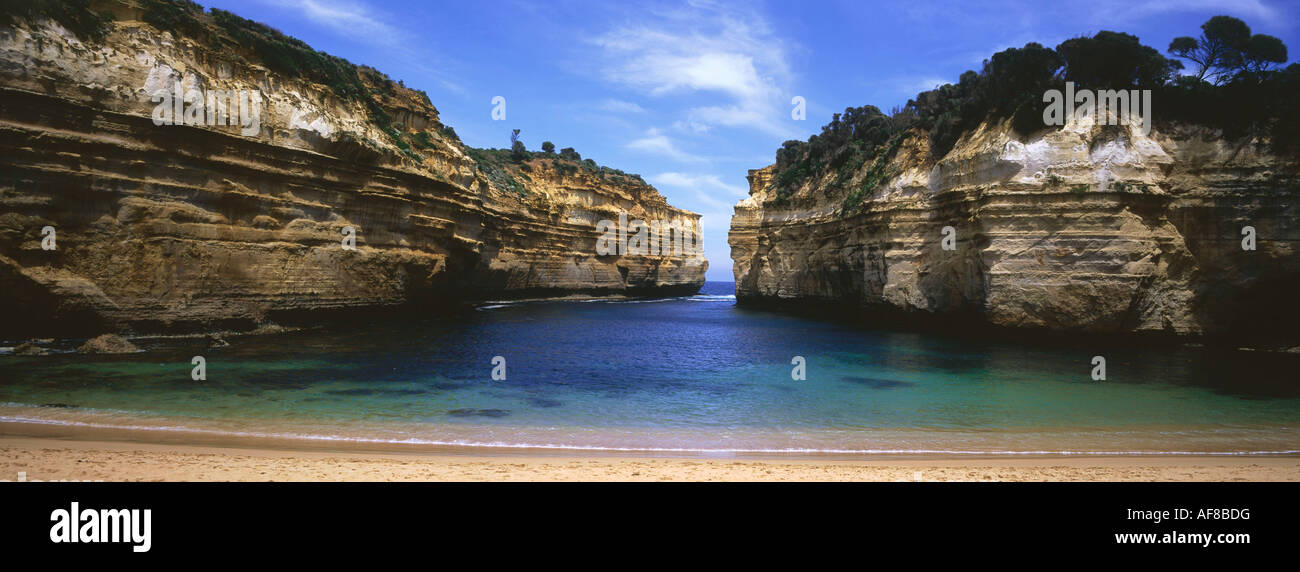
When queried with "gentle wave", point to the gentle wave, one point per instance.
{"points": [[602, 448]]}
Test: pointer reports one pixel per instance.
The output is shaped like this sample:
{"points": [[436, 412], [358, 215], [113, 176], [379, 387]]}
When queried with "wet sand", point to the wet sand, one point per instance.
{"points": [[47, 459]]}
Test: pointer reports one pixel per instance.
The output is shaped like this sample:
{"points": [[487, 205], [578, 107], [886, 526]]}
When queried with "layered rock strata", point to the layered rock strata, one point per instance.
{"points": [[183, 227], [1085, 229]]}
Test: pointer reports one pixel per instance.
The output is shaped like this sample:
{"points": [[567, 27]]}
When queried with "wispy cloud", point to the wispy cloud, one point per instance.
{"points": [[911, 85], [705, 49], [1249, 9], [365, 24], [656, 142], [1003, 16], [345, 17], [619, 106], [706, 188]]}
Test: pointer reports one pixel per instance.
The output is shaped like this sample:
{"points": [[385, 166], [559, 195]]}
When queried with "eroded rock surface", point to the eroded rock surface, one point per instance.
{"points": [[182, 227], [1094, 229]]}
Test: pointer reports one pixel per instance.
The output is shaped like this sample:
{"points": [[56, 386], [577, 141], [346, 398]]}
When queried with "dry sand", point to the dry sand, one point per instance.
{"points": [[59, 459]]}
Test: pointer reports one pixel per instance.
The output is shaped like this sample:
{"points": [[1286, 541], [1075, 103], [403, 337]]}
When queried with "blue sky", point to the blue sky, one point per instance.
{"points": [[693, 94]]}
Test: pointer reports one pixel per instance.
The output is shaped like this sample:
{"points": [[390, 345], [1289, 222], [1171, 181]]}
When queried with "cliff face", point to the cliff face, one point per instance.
{"points": [[1088, 229], [197, 226]]}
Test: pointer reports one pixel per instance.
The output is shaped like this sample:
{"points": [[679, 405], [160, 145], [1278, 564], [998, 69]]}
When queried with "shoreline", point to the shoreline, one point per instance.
{"points": [[33, 459], [294, 439]]}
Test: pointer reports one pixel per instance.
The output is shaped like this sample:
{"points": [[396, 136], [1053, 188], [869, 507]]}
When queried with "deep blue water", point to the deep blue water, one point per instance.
{"points": [[691, 373]]}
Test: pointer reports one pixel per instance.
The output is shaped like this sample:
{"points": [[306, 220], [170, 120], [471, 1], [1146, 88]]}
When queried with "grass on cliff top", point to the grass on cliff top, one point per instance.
{"points": [[493, 163], [502, 165]]}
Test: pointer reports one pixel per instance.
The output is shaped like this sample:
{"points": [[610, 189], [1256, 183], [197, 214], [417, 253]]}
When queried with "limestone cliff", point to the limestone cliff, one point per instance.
{"points": [[1085, 229], [195, 226]]}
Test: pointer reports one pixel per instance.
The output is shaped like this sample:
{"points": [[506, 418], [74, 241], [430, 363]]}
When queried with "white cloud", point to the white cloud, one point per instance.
{"points": [[342, 16], [916, 86], [657, 143], [706, 188], [619, 106], [706, 50], [1247, 9], [907, 86]]}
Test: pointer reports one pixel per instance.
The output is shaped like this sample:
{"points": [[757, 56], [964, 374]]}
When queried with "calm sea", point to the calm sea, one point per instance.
{"points": [[675, 375]]}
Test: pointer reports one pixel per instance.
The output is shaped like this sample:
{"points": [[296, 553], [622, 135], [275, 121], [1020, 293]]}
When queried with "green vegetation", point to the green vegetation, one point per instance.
{"points": [[177, 16], [402, 145], [504, 167], [74, 15], [1226, 49], [1249, 97], [282, 54], [851, 139], [548, 147], [294, 58], [492, 163], [877, 175], [422, 140]]}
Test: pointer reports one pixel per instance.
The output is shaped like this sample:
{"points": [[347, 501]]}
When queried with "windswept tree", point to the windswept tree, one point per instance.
{"points": [[1217, 52], [1227, 49]]}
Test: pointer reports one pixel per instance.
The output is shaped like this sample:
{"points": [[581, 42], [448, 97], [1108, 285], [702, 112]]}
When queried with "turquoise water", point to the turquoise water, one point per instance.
{"points": [[678, 374]]}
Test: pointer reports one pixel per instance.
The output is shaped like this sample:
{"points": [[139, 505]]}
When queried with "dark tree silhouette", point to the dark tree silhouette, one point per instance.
{"points": [[1115, 60], [1217, 52], [1260, 53]]}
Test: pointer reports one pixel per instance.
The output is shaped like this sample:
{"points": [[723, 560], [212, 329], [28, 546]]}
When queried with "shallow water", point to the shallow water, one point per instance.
{"points": [[676, 374]]}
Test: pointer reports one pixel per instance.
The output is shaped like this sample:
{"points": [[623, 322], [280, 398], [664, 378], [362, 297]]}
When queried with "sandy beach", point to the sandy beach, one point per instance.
{"points": [[44, 459]]}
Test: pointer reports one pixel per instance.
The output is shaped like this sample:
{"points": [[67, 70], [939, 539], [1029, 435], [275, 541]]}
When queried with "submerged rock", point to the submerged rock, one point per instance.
{"points": [[108, 344], [877, 383], [29, 349], [479, 412], [266, 328]]}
